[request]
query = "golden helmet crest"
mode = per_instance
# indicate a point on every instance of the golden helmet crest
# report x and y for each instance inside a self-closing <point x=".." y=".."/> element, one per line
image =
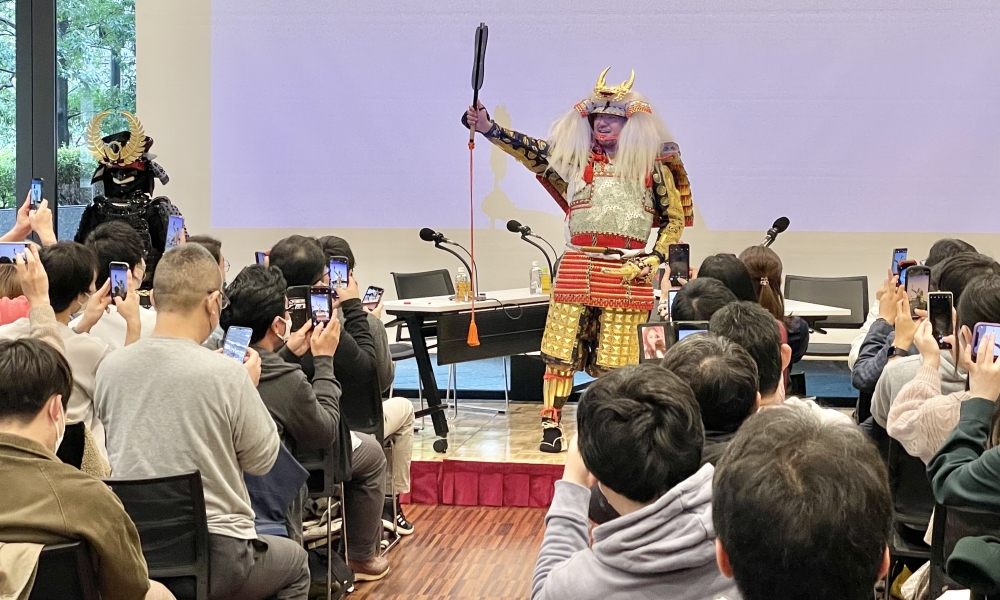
<point x="114" y="153"/>
<point x="605" y="92"/>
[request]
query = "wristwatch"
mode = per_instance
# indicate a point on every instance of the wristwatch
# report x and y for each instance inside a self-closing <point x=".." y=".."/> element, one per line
<point x="896" y="351"/>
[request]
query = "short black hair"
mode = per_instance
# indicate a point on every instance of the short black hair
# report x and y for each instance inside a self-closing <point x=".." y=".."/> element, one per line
<point x="699" y="299"/>
<point x="980" y="302"/>
<point x="71" y="268"/>
<point x="802" y="509"/>
<point x="115" y="241"/>
<point x="945" y="248"/>
<point x="956" y="273"/>
<point x="640" y="431"/>
<point x="32" y="371"/>
<point x="209" y="243"/>
<point x="337" y="246"/>
<point x="731" y="272"/>
<point x="300" y="258"/>
<point x="750" y="325"/>
<point x="256" y="297"/>
<point x="722" y="375"/>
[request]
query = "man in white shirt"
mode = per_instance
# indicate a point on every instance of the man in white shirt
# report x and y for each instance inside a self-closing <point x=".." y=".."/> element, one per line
<point x="117" y="241"/>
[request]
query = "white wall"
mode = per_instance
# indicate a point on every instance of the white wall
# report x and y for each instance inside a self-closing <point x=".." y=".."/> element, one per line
<point x="173" y="86"/>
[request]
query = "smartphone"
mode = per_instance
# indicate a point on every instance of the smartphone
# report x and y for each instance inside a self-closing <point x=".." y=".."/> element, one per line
<point x="652" y="341"/>
<point x="10" y="250"/>
<point x="898" y="255"/>
<point x="671" y="296"/>
<point x="119" y="279"/>
<point x="36" y="192"/>
<point x="918" y="282"/>
<point x="981" y="330"/>
<point x="338" y="272"/>
<point x="320" y="304"/>
<point x="372" y="297"/>
<point x="682" y="329"/>
<point x="903" y="265"/>
<point x="236" y="343"/>
<point x="260" y="257"/>
<point x="939" y="311"/>
<point x="679" y="259"/>
<point x="298" y="305"/>
<point x="175" y="232"/>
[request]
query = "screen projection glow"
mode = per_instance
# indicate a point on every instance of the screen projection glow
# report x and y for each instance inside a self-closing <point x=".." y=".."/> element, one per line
<point x="844" y="115"/>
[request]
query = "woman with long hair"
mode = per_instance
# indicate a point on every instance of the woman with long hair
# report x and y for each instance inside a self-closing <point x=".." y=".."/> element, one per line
<point x="765" y="270"/>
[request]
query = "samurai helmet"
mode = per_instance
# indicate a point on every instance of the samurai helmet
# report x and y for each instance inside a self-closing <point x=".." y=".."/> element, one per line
<point x="612" y="100"/>
<point x="113" y="151"/>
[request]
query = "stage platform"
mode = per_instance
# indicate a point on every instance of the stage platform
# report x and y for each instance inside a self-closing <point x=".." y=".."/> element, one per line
<point x="492" y="459"/>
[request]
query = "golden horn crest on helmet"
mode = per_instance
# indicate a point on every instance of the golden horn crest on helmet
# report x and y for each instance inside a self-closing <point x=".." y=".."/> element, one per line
<point x="114" y="153"/>
<point x="616" y="93"/>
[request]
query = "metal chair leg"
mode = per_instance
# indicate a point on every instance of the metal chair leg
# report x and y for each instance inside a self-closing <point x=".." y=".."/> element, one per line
<point x="329" y="545"/>
<point x="392" y="494"/>
<point x="506" y="388"/>
<point x="343" y="522"/>
<point x="452" y="375"/>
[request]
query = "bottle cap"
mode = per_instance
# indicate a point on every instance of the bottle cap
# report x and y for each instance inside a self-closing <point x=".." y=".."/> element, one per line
<point x="461" y="270"/>
<point x="534" y="263"/>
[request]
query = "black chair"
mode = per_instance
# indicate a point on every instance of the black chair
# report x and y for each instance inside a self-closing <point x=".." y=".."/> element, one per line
<point x="952" y="523"/>
<point x="912" y="503"/>
<point x="65" y="572"/>
<point x="326" y="477"/>
<point x="844" y="292"/>
<point x="169" y="513"/>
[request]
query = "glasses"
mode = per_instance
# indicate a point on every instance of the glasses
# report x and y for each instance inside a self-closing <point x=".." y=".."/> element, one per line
<point x="225" y="298"/>
<point x="225" y="265"/>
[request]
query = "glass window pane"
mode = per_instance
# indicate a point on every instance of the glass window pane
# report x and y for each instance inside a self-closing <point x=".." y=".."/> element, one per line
<point x="95" y="55"/>
<point x="8" y="195"/>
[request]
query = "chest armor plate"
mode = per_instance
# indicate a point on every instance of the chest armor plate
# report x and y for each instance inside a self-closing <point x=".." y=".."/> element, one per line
<point x="608" y="206"/>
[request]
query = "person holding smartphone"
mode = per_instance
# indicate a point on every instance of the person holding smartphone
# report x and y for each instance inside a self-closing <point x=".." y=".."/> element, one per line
<point x="32" y="219"/>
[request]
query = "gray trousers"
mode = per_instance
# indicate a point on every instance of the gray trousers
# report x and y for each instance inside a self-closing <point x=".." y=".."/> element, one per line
<point x="364" y="499"/>
<point x="268" y="567"/>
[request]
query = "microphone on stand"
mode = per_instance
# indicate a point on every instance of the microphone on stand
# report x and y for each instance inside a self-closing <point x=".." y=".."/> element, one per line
<point x="525" y="231"/>
<point x="779" y="226"/>
<point x="429" y="235"/>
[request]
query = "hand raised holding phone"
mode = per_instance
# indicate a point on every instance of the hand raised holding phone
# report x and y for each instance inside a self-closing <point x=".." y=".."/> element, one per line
<point x="95" y="308"/>
<point x="927" y="344"/>
<point x="984" y="373"/>
<point x="298" y="342"/>
<point x="252" y="364"/>
<point x="34" y="281"/>
<point x="325" y="338"/>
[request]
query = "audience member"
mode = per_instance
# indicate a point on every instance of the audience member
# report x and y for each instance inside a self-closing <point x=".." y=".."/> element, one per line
<point x="889" y="338"/>
<point x="699" y="299"/>
<point x="765" y="270"/>
<point x="640" y="437"/>
<point x="301" y="261"/>
<point x="397" y="412"/>
<point x="731" y="272"/>
<point x="946" y="248"/>
<point x="723" y="377"/>
<point x="13" y="305"/>
<point x="72" y="270"/>
<point x="756" y="330"/>
<point x="923" y="416"/>
<point x="781" y="461"/>
<point x="306" y="412"/>
<point x="117" y="241"/>
<point x="214" y="248"/>
<point x="46" y="501"/>
<point x="10" y="285"/>
<point x="200" y="410"/>
<point x="954" y="275"/>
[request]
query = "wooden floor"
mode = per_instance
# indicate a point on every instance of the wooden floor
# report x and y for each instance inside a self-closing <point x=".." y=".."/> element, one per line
<point x="491" y="437"/>
<point x="462" y="552"/>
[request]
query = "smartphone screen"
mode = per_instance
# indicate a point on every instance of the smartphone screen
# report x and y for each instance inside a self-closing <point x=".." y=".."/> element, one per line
<point x="918" y="280"/>
<point x="679" y="258"/>
<point x="652" y="341"/>
<point x="236" y="343"/>
<point x="175" y="232"/>
<point x="899" y="254"/>
<point x="320" y="306"/>
<point x="940" y="314"/>
<point x="10" y="250"/>
<point x="671" y="295"/>
<point x="119" y="279"/>
<point x="260" y="257"/>
<point x="36" y="192"/>
<point x="372" y="297"/>
<point x="338" y="272"/>
<point x="298" y="305"/>
<point x="981" y="330"/>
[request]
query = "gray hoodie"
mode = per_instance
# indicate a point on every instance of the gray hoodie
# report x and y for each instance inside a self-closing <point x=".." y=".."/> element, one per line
<point x="665" y="550"/>
<point x="898" y="373"/>
<point x="306" y="413"/>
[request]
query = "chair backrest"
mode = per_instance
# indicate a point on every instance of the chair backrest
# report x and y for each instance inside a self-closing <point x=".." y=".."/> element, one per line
<point x="65" y="572"/>
<point x="952" y="523"/>
<point x="169" y="513"/>
<point x="912" y="497"/>
<point x="423" y="284"/>
<point x="843" y="292"/>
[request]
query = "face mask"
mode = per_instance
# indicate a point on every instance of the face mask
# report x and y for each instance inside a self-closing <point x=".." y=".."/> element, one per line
<point x="288" y="329"/>
<point x="60" y="434"/>
<point x="82" y="306"/>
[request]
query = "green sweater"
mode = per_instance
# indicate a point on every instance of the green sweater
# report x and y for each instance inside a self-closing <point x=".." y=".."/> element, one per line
<point x="962" y="473"/>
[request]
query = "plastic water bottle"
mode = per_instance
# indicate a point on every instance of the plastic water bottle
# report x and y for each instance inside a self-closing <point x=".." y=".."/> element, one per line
<point x="462" y="291"/>
<point x="535" y="278"/>
<point x="546" y="281"/>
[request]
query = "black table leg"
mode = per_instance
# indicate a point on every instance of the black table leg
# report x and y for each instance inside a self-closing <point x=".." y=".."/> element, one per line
<point x="414" y="324"/>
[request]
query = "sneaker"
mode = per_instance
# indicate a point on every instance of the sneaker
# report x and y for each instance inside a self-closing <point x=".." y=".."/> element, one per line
<point x="552" y="437"/>
<point x="373" y="569"/>
<point x="403" y="527"/>
<point x="388" y="537"/>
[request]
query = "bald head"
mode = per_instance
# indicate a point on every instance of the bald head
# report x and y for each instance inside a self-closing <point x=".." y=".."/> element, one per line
<point x="184" y="276"/>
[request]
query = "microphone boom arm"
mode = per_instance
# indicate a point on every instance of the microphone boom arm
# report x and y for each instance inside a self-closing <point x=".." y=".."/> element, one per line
<point x="524" y="236"/>
<point x="473" y="273"/>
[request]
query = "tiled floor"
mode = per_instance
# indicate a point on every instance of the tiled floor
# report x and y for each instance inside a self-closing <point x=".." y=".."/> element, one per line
<point x="490" y="437"/>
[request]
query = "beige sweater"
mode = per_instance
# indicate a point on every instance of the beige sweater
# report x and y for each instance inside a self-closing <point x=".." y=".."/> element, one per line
<point x="922" y="418"/>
